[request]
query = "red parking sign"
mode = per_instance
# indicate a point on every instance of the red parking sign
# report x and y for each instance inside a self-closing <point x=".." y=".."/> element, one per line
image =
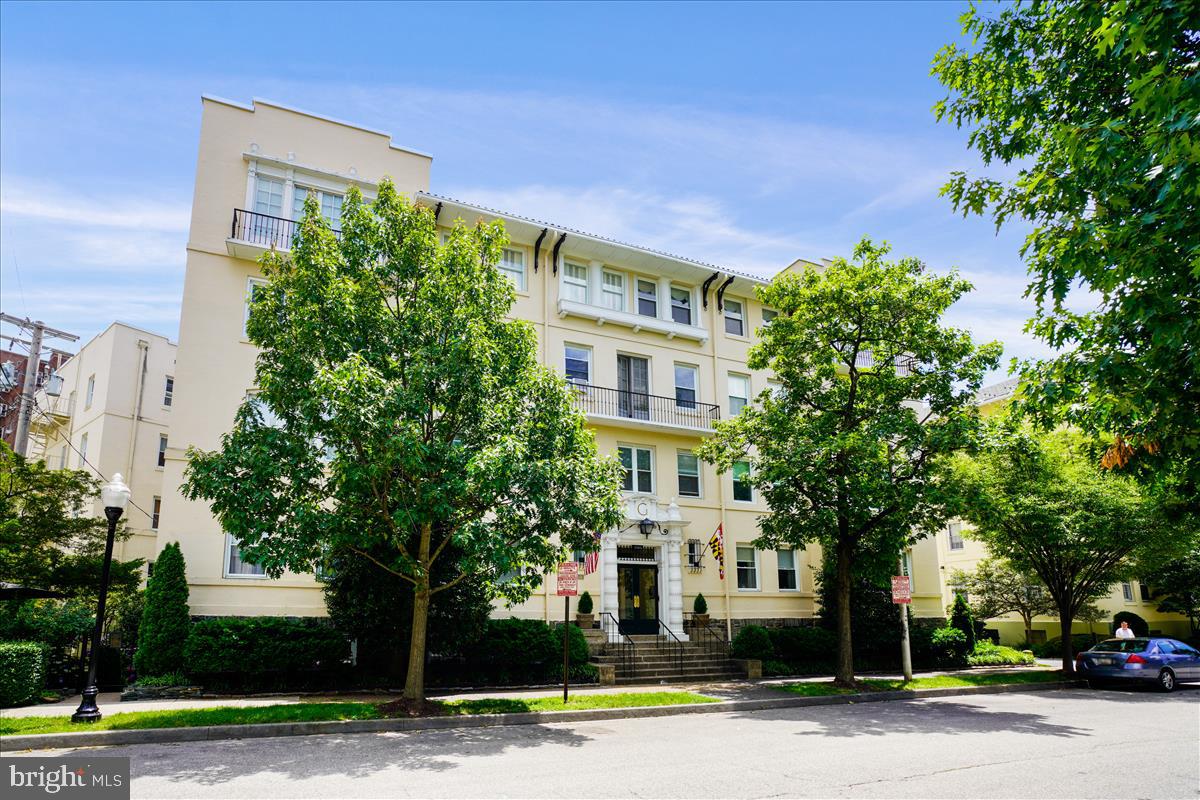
<point x="901" y="589"/>
<point x="568" y="579"/>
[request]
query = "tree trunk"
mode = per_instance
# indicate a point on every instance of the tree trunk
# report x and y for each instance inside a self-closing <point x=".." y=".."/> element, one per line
<point x="844" y="674"/>
<point x="1028" y="620"/>
<point x="414" y="683"/>
<point x="1065" y="618"/>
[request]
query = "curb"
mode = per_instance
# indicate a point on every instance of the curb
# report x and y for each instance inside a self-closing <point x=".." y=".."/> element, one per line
<point x="44" y="741"/>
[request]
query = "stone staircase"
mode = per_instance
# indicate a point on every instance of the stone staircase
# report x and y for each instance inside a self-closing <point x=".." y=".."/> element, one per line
<point x="649" y="660"/>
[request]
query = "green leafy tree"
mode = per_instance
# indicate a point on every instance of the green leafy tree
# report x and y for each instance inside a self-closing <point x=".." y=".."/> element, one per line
<point x="165" y="622"/>
<point x="45" y="542"/>
<point x="1041" y="501"/>
<point x="1176" y="587"/>
<point x="963" y="618"/>
<point x="409" y="417"/>
<point x="1093" y="108"/>
<point x="1091" y="614"/>
<point x="996" y="589"/>
<point x="874" y="391"/>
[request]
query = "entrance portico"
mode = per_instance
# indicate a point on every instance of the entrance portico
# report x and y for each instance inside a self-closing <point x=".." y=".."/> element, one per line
<point x="641" y="575"/>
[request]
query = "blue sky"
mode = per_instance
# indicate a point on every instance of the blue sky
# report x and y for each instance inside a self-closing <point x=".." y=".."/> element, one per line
<point x="746" y="135"/>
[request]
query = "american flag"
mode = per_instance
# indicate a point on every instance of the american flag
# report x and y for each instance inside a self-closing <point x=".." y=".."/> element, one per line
<point x="591" y="561"/>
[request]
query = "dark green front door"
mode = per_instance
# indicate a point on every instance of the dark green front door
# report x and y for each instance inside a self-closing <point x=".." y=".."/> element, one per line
<point x="637" y="598"/>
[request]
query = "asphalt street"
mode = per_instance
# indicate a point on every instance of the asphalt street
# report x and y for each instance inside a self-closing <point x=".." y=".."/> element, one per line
<point x="1059" y="744"/>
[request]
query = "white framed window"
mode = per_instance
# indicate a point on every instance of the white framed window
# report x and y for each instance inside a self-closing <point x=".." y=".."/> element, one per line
<point x="162" y="450"/>
<point x="329" y="202"/>
<point x="155" y="511"/>
<point x="647" y="298"/>
<point x="83" y="451"/>
<point x="168" y="391"/>
<point x="687" y="465"/>
<point x="575" y="282"/>
<point x="687" y="379"/>
<point x="769" y="315"/>
<point x="739" y="393"/>
<point x="743" y="492"/>
<point x="1127" y="591"/>
<point x="1144" y="591"/>
<point x="268" y="196"/>
<point x="235" y="567"/>
<point x="954" y="534"/>
<point x="789" y="577"/>
<point x="91" y="392"/>
<point x="253" y="287"/>
<point x="512" y="264"/>
<point x="637" y="468"/>
<point x="577" y="362"/>
<point x="906" y="566"/>
<point x="613" y="290"/>
<point x="62" y="457"/>
<point x="775" y="388"/>
<point x="735" y="318"/>
<point x="681" y="305"/>
<point x="747" y="568"/>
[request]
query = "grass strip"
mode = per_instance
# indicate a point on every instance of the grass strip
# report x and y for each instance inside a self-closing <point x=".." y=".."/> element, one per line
<point x="322" y="712"/>
<point x="822" y="688"/>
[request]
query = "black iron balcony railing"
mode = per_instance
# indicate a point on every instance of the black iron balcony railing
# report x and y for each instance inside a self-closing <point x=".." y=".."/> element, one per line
<point x="263" y="229"/>
<point x="678" y="412"/>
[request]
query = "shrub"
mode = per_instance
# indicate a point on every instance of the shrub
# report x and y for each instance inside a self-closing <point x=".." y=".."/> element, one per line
<point x="1138" y="625"/>
<point x="163" y="633"/>
<point x="949" y="646"/>
<point x="753" y="641"/>
<point x="963" y="618"/>
<point x="987" y="654"/>
<point x="804" y="650"/>
<point x="516" y="651"/>
<point x="22" y="671"/>
<point x="253" y="646"/>
<point x="576" y="644"/>
<point x="170" y="679"/>
<point x="700" y="605"/>
<point x="585" y="603"/>
<point x="774" y="667"/>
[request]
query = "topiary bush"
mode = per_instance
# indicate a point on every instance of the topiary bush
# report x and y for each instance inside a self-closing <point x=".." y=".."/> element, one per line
<point x="585" y="603"/>
<point x="1138" y="625"/>
<point x="22" y="671"/>
<point x="963" y="618"/>
<point x="753" y="641"/>
<point x="950" y="647"/>
<point x="700" y="605"/>
<point x="163" y="632"/>
<point x="247" y="650"/>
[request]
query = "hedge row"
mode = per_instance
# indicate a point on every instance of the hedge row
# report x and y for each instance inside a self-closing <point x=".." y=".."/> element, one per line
<point x="245" y="650"/>
<point x="515" y="652"/>
<point x="22" y="671"/>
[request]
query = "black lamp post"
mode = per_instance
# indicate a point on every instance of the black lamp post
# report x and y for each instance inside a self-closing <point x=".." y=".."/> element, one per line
<point x="115" y="495"/>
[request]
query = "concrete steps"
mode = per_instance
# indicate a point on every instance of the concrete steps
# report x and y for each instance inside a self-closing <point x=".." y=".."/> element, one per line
<point x="649" y="661"/>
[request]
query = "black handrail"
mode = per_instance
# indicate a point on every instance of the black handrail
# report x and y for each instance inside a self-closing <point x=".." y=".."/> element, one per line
<point x="614" y="639"/>
<point x="264" y="229"/>
<point x="708" y="636"/>
<point x="678" y="411"/>
<point x="672" y="644"/>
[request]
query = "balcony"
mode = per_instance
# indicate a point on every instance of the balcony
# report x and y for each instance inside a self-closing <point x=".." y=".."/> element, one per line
<point x="626" y="319"/>
<point x="251" y="234"/>
<point x="646" y="410"/>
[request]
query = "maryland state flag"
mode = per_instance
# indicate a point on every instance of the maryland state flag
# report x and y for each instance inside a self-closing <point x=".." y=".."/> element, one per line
<point x="717" y="545"/>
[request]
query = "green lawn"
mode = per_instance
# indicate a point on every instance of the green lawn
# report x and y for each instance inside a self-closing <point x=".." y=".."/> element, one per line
<point x="316" y="712"/>
<point x="817" y="689"/>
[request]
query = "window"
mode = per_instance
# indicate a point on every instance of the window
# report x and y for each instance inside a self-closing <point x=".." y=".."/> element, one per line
<point x="637" y="468"/>
<point x="91" y="392"/>
<point x="578" y="363"/>
<point x="169" y="391"/>
<point x="775" y="388"/>
<point x="253" y="287"/>
<point x="681" y="306"/>
<point x="739" y="393"/>
<point x="906" y="568"/>
<point x="954" y="530"/>
<point x="155" y="510"/>
<point x="647" y="298"/>
<point x="747" y="567"/>
<point x="735" y="320"/>
<point x="613" y="286"/>
<point x="329" y="203"/>
<point x="788" y="580"/>
<point x="1144" y="591"/>
<point x="162" y="450"/>
<point x="575" y="282"/>
<point x="83" y="451"/>
<point x="769" y="315"/>
<point x="268" y="196"/>
<point x="688" y="467"/>
<point x="742" y="491"/>
<point x="62" y="457"/>
<point x="512" y="264"/>
<point x="235" y="566"/>
<point x="686" y="378"/>
<point x="1127" y="591"/>
<point x="695" y="554"/>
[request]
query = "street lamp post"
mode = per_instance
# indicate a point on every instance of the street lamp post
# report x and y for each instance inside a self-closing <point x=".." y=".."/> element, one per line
<point x="115" y="495"/>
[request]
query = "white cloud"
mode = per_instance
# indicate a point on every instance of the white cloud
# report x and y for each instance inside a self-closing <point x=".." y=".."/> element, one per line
<point x="51" y="203"/>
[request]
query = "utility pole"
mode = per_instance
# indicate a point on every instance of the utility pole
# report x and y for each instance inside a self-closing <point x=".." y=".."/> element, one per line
<point x="37" y="331"/>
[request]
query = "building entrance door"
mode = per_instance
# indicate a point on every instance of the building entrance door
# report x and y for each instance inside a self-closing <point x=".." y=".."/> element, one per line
<point x="637" y="598"/>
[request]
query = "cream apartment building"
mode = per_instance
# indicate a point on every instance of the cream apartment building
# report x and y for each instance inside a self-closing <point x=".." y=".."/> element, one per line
<point x="655" y="343"/>
<point x="111" y="413"/>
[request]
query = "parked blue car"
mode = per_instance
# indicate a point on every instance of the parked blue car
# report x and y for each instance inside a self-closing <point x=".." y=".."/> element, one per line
<point x="1166" y="662"/>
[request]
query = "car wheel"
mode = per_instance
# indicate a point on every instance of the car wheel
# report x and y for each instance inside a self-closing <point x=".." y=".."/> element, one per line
<point x="1166" y="681"/>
